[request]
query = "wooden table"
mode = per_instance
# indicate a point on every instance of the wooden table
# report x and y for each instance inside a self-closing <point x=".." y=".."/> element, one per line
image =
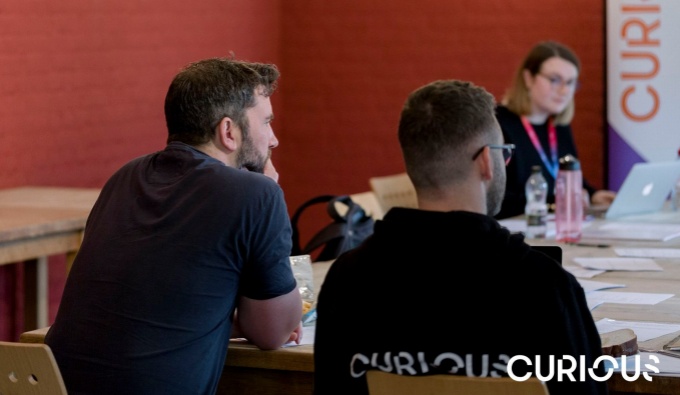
<point x="667" y="311"/>
<point x="291" y="370"/>
<point x="36" y="222"/>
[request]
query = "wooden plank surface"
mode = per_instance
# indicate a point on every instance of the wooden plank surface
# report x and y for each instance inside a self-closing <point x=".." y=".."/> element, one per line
<point x="49" y="197"/>
<point x="36" y="222"/>
<point x="31" y="248"/>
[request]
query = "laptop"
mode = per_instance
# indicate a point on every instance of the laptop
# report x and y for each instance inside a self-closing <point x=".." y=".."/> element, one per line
<point x="645" y="189"/>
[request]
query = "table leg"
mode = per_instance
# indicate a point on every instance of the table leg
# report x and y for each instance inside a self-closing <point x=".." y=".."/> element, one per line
<point x="36" y="296"/>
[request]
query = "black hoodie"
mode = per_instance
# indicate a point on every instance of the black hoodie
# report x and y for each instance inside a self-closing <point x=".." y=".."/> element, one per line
<point x="433" y="292"/>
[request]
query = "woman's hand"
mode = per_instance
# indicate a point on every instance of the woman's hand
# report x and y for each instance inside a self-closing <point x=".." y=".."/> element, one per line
<point x="603" y="198"/>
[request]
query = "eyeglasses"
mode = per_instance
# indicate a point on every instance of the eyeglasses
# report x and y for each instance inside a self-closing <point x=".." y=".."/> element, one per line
<point x="508" y="149"/>
<point x="556" y="82"/>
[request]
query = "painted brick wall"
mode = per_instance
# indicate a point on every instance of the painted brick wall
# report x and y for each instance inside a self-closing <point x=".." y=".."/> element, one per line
<point x="82" y="83"/>
<point x="350" y="65"/>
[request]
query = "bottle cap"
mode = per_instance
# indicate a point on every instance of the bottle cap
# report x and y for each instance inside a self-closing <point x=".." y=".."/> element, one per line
<point x="569" y="162"/>
<point x="536" y="168"/>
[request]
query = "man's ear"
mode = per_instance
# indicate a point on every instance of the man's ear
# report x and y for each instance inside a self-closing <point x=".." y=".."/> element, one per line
<point x="228" y="134"/>
<point x="485" y="164"/>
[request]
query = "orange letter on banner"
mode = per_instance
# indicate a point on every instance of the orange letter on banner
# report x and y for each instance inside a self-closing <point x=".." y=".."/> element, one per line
<point x="639" y="118"/>
<point x="641" y="75"/>
<point x="655" y="8"/>
<point x="644" y="28"/>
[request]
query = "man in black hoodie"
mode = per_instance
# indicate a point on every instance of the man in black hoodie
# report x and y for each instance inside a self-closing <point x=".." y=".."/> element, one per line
<point x="444" y="288"/>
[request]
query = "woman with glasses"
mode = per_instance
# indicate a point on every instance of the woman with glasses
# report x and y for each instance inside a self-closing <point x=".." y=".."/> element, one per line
<point x="535" y="116"/>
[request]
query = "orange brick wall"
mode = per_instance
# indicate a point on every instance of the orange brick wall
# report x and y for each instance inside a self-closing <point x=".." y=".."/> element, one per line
<point x="350" y="65"/>
<point x="82" y="83"/>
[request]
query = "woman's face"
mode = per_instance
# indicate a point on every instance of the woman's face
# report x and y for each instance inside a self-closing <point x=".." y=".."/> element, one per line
<point x="553" y="87"/>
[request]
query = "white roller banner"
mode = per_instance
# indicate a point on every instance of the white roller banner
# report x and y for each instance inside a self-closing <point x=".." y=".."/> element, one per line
<point x="643" y="83"/>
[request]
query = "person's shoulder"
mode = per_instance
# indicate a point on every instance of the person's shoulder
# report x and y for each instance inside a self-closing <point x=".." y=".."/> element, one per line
<point x="241" y="187"/>
<point x="360" y="259"/>
<point x="250" y="184"/>
<point x="502" y="110"/>
<point x="259" y="183"/>
<point x="255" y="179"/>
<point x="350" y="259"/>
<point x="564" y="131"/>
<point x="510" y="123"/>
<point x="241" y="178"/>
<point x="503" y="113"/>
<point x="549" y="270"/>
<point x="131" y="166"/>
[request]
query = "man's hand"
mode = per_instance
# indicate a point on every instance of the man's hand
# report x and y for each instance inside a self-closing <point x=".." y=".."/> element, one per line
<point x="270" y="170"/>
<point x="296" y="336"/>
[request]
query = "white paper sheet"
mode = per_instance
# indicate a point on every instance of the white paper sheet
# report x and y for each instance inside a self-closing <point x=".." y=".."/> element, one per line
<point x="617" y="263"/>
<point x="592" y="304"/>
<point x="581" y="272"/>
<point x="626" y="297"/>
<point x="644" y="330"/>
<point x="649" y="252"/>
<point x="307" y="337"/>
<point x="589" y="285"/>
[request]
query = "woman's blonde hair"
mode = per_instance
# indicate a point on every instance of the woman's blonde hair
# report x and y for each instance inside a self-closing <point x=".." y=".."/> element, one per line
<point x="517" y="99"/>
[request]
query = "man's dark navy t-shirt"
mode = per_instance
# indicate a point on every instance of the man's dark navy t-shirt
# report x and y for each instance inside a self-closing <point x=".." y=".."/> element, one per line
<point x="174" y="238"/>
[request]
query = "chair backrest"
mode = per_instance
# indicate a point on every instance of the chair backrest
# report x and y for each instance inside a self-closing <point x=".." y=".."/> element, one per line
<point x="29" y="369"/>
<point x="369" y="202"/>
<point x="382" y="383"/>
<point x="394" y="191"/>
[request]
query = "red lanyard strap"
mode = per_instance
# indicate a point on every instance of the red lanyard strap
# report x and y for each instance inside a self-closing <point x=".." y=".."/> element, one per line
<point x="552" y="141"/>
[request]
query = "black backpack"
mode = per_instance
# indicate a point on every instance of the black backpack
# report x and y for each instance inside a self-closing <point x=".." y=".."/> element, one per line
<point x="343" y="233"/>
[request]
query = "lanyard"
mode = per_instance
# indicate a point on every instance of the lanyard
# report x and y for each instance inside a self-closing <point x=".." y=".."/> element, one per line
<point x="552" y="141"/>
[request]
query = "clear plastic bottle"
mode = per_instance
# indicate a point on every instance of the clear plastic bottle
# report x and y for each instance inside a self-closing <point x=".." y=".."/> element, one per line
<point x="536" y="209"/>
<point x="568" y="200"/>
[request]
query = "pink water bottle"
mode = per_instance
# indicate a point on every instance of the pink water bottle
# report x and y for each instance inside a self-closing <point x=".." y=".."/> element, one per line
<point x="568" y="200"/>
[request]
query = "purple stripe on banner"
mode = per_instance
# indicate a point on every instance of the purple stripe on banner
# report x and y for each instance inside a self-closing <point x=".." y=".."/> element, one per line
<point x="621" y="158"/>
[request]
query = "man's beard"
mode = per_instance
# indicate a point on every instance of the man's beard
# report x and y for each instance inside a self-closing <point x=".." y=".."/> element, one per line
<point x="248" y="157"/>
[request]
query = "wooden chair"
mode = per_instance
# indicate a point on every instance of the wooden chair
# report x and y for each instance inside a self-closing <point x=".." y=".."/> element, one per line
<point x="29" y="369"/>
<point x="369" y="202"/>
<point x="382" y="383"/>
<point x="394" y="191"/>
